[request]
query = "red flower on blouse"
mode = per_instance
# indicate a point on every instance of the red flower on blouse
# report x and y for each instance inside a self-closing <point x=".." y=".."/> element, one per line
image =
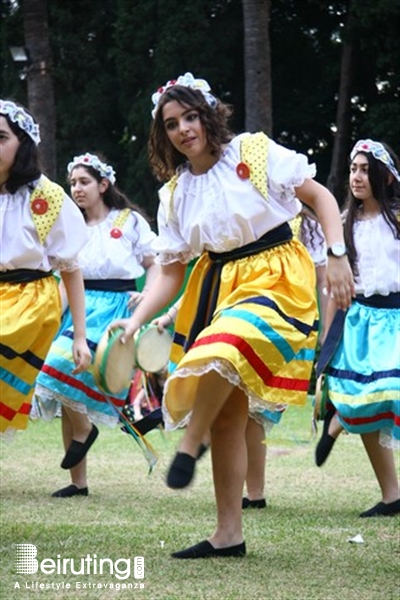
<point x="40" y="206"/>
<point x="243" y="170"/>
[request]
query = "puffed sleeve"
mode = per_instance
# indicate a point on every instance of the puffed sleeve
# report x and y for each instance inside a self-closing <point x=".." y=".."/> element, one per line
<point x="144" y="237"/>
<point x="287" y="170"/>
<point x="170" y="245"/>
<point x="67" y="237"/>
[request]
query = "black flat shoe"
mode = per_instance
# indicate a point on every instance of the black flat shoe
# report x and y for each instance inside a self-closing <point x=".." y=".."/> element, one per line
<point x="69" y="491"/>
<point x="78" y="450"/>
<point x="206" y="550"/>
<point x="149" y="422"/>
<point x="382" y="510"/>
<point x="246" y="503"/>
<point x="181" y="471"/>
<point x="326" y="442"/>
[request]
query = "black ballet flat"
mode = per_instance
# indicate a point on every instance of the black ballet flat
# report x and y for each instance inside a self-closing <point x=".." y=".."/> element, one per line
<point x="246" y="503"/>
<point x="382" y="510"/>
<point x="206" y="550"/>
<point x="181" y="471"/>
<point x="78" y="450"/>
<point x="70" y="491"/>
<point x="326" y="442"/>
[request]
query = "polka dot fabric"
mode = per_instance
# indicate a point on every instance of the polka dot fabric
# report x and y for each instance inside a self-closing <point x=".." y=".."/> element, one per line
<point x="254" y="153"/>
<point x="46" y="201"/>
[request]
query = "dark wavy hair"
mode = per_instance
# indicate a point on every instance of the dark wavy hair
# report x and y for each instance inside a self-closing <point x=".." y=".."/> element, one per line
<point x="113" y="197"/>
<point x="26" y="167"/>
<point x="386" y="191"/>
<point x="163" y="157"/>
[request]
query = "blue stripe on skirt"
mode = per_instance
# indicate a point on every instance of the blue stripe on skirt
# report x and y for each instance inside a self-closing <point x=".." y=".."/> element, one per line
<point x="102" y="307"/>
<point x="364" y="372"/>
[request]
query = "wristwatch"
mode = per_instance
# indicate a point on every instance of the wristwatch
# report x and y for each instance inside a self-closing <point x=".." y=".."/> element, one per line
<point x="337" y="250"/>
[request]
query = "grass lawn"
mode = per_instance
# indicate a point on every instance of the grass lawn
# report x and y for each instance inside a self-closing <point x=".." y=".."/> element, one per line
<point x="298" y="547"/>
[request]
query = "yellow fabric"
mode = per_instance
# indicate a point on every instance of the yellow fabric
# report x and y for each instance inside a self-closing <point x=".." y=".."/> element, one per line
<point x="53" y="194"/>
<point x="254" y="153"/>
<point x="29" y="320"/>
<point x="123" y="215"/>
<point x="255" y="328"/>
<point x="295" y="225"/>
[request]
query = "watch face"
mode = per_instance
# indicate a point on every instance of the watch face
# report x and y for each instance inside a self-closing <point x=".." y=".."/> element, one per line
<point x="338" y="250"/>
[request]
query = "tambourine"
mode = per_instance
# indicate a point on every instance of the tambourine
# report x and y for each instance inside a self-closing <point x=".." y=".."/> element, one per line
<point x="114" y="362"/>
<point x="321" y="394"/>
<point x="152" y="348"/>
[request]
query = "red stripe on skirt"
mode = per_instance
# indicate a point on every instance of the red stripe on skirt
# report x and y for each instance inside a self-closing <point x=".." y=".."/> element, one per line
<point x="255" y="362"/>
<point x="8" y="413"/>
<point x="375" y="419"/>
<point x="75" y="383"/>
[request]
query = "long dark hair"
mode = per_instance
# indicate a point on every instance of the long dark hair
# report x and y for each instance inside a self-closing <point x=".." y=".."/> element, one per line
<point x="113" y="197"/>
<point x="386" y="191"/>
<point x="164" y="158"/>
<point x="26" y="167"/>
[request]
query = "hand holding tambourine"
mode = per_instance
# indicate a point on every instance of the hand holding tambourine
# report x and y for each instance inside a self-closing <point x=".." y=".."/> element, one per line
<point x="117" y="356"/>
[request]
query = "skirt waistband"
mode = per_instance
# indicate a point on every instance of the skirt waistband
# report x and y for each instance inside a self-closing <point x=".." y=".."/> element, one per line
<point x="210" y="286"/>
<point x="275" y="237"/>
<point x="110" y="285"/>
<point x="378" y="301"/>
<point x="23" y="275"/>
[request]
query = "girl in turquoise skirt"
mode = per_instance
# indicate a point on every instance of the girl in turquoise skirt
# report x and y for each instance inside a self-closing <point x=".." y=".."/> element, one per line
<point x="363" y="374"/>
<point x="117" y="253"/>
<point x="247" y="327"/>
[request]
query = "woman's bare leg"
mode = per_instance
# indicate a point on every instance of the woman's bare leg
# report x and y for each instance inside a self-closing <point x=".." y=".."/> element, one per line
<point x="383" y="464"/>
<point x="213" y="391"/>
<point x="256" y="457"/>
<point x="229" y="461"/>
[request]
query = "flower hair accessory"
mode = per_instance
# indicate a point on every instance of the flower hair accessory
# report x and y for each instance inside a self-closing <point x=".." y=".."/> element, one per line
<point x="91" y="160"/>
<point x="378" y="151"/>
<point x="187" y="80"/>
<point x="20" y="117"/>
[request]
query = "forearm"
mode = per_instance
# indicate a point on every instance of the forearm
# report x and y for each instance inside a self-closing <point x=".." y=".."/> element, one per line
<point x="73" y="282"/>
<point x="164" y="287"/>
<point x="320" y="199"/>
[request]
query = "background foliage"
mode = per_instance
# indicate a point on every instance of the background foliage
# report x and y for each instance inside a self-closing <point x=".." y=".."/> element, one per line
<point x="110" y="55"/>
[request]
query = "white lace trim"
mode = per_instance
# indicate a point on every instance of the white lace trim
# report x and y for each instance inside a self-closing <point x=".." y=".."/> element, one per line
<point x="49" y="403"/>
<point x="387" y="440"/>
<point x="225" y="369"/>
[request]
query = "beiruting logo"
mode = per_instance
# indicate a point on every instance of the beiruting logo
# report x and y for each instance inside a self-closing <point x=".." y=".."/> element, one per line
<point x="27" y="563"/>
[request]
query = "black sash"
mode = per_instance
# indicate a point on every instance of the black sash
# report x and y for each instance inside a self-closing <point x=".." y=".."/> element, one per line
<point x="23" y="275"/>
<point x="208" y="296"/>
<point x="110" y="285"/>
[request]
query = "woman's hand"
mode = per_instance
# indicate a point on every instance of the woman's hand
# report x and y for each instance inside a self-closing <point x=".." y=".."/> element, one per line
<point x="130" y="326"/>
<point x="135" y="299"/>
<point x="340" y="282"/>
<point x="81" y="354"/>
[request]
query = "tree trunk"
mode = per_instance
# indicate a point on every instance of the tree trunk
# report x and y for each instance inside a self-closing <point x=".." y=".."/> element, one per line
<point x="40" y="80"/>
<point x="337" y="178"/>
<point x="257" y="66"/>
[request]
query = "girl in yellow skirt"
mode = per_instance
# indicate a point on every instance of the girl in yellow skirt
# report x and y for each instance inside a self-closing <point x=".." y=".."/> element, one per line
<point x="247" y="326"/>
<point x="41" y="230"/>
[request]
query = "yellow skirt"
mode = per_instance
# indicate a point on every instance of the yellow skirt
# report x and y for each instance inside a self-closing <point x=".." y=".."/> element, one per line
<point x="29" y="319"/>
<point x="261" y="337"/>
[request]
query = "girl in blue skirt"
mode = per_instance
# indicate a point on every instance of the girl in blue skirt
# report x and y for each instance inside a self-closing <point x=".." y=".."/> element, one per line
<point x="363" y="374"/>
<point x="117" y="253"/>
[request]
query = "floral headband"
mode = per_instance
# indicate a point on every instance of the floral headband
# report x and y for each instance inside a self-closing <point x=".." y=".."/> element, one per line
<point x="187" y="80"/>
<point x="20" y="117"/>
<point x="378" y="151"/>
<point x="91" y="160"/>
